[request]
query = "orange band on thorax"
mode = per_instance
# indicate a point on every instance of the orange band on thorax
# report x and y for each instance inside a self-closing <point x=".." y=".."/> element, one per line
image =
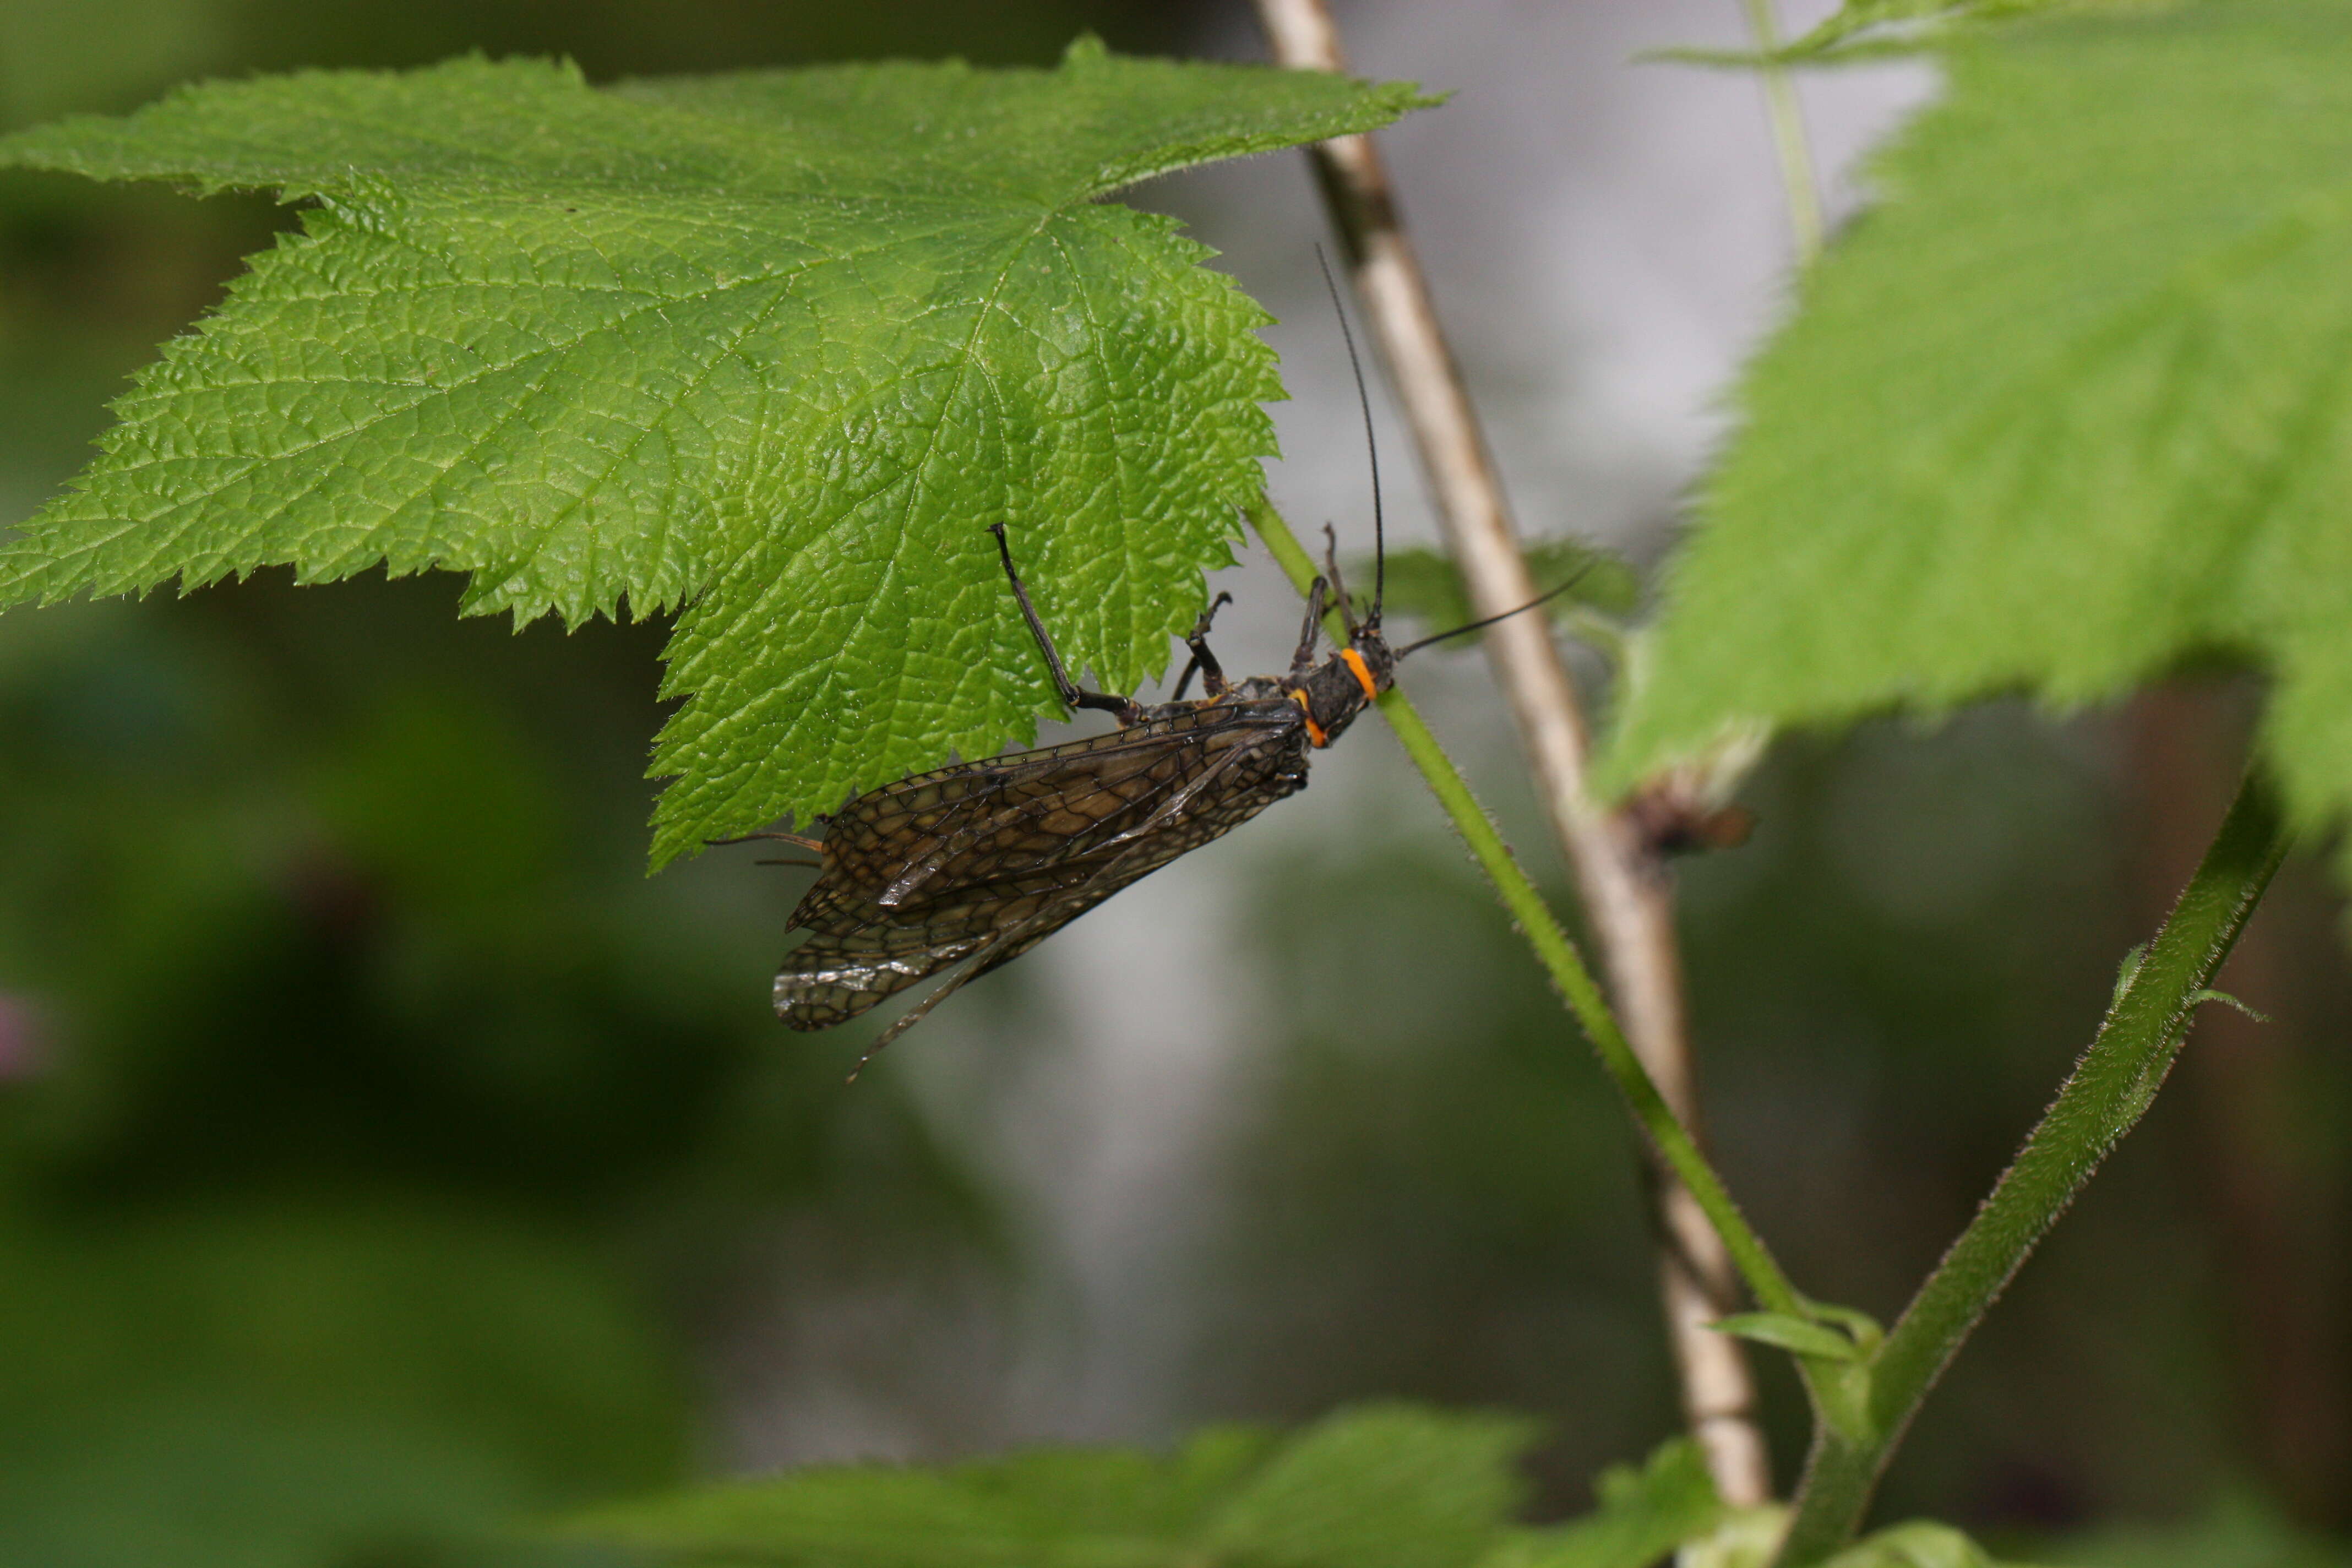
<point x="1314" y="731"/>
<point x="1355" y="662"/>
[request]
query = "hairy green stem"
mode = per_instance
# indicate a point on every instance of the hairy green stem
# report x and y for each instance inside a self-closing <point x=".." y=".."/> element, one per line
<point x="2109" y="1088"/>
<point x="1558" y="956"/>
<point x="1803" y="191"/>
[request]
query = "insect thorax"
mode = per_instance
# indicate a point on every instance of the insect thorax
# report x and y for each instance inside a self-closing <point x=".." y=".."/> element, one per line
<point x="1343" y="685"/>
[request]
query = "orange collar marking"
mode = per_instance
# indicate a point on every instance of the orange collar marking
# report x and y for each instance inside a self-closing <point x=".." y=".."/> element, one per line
<point x="1314" y="731"/>
<point x="1363" y="673"/>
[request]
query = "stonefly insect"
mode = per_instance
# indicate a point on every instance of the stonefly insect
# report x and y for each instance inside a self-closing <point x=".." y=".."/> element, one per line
<point x="969" y="866"/>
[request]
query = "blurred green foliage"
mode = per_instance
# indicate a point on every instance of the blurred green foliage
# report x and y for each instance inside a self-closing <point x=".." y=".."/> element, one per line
<point x="365" y="1093"/>
<point x="1425" y="585"/>
<point x="368" y="1121"/>
<point x="1373" y="1487"/>
<point x="1639" y="1514"/>
<point x="1888" y="981"/>
<point x="2061" y="416"/>
<point x="374" y="1138"/>
<point x="2234" y="1530"/>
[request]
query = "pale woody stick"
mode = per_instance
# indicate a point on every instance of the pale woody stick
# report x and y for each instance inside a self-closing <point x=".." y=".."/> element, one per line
<point x="1626" y="893"/>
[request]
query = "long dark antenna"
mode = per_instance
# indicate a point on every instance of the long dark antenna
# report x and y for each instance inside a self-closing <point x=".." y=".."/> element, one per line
<point x="1544" y="597"/>
<point x="1371" y="447"/>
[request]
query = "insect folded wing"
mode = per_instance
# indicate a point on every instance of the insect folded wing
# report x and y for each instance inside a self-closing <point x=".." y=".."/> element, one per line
<point x="970" y="867"/>
<point x="977" y="864"/>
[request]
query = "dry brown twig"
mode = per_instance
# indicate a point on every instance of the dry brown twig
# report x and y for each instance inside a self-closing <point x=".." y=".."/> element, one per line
<point x="1620" y="874"/>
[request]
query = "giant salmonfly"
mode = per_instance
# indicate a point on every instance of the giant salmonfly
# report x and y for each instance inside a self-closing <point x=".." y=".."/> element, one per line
<point x="969" y="866"/>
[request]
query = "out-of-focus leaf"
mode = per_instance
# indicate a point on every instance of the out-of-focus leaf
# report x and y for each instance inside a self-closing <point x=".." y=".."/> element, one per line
<point x="2237" y="1532"/>
<point x="1800" y="1335"/>
<point x="280" y="1386"/>
<point x="1426" y="585"/>
<point x="771" y="348"/>
<point x="1389" y="1486"/>
<point x="57" y="55"/>
<point x="2063" y="411"/>
<point x="1382" y="1487"/>
<point x="1743" y="1538"/>
<point x="1871" y="30"/>
<point x="1921" y="1543"/>
<point x="1048" y="1507"/>
<point x="1644" y="1514"/>
<point x="1866" y="1332"/>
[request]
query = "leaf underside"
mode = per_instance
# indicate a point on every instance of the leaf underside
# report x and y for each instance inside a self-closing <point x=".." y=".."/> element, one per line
<point x="768" y="350"/>
<point x="2068" y="408"/>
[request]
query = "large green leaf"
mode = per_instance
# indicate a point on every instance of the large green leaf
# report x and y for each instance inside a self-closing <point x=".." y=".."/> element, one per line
<point x="2067" y="408"/>
<point x="771" y="348"/>
<point x="1381" y="1487"/>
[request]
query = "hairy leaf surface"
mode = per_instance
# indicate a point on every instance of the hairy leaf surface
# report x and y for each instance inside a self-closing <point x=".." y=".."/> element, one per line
<point x="768" y="350"/>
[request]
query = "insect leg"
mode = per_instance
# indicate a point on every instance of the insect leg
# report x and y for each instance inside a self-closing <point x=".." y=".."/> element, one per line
<point x="798" y="839"/>
<point x="1304" y="659"/>
<point x="1338" y="584"/>
<point x="1072" y="694"/>
<point x="1213" y="675"/>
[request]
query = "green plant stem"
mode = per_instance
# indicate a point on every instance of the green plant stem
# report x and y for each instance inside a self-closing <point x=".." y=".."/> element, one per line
<point x="1558" y="956"/>
<point x="1788" y="134"/>
<point x="2109" y="1088"/>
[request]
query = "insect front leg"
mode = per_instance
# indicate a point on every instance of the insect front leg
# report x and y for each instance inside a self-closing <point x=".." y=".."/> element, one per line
<point x="1338" y="584"/>
<point x="1212" y="674"/>
<point x="1072" y="695"/>
<point x="1302" y="661"/>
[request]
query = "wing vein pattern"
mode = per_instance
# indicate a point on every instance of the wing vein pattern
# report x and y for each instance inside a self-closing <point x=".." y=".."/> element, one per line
<point x="973" y="865"/>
